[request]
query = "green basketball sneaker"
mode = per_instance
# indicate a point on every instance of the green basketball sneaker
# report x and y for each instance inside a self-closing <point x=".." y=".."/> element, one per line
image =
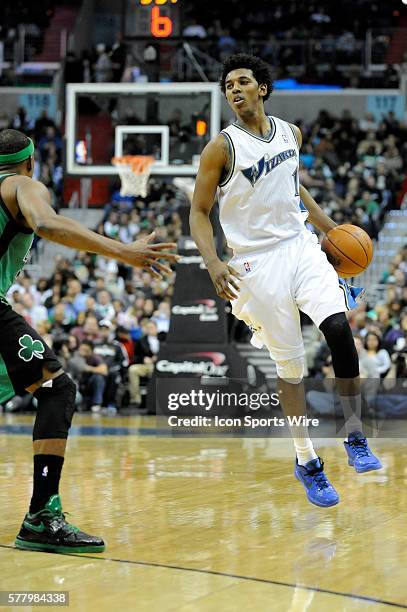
<point x="47" y="530"/>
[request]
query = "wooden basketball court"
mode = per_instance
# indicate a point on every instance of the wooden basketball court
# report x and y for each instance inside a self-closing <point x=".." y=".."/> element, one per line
<point x="209" y="524"/>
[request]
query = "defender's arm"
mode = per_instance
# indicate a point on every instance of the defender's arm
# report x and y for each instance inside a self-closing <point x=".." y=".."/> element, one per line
<point x="34" y="201"/>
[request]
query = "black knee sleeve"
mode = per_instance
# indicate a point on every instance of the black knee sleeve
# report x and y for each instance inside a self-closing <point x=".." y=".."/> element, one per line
<point x="56" y="406"/>
<point x="338" y="335"/>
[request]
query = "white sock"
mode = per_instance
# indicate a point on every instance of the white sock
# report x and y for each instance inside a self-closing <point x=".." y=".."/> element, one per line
<point x="352" y="411"/>
<point x="304" y="449"/>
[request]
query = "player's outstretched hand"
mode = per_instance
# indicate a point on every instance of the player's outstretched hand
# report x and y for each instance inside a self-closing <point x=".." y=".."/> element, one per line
<point x="142" y="254"/>
<point x="224" y="279"/>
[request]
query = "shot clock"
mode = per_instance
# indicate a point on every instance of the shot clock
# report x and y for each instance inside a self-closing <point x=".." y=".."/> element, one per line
<point x="152" y="19"/>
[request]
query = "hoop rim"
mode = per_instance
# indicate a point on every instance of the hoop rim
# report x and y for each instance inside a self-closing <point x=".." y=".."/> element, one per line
<point x="138" y="164"/>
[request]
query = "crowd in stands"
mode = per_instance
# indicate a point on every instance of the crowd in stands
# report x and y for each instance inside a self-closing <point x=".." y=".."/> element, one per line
<point x="313" y="42"/>
<point x="380" y="333"/>
<point x="324" y="61"/>
<point x="355" y="169"/>
<point x="102" y="64"/>
<point x="48" y="152"/>
<point x="287" y="18"/>
<point x="35" y="16"/>
<point x="381" y="330"/>
<point x="310" y="41"/>
<point x="23" y="29"/>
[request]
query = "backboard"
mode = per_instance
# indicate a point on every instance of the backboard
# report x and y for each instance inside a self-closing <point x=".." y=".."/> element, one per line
<point x="171" y="121"/>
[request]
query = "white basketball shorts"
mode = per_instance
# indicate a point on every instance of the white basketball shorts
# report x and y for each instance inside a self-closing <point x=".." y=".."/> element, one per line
<point x="280" y="282"/>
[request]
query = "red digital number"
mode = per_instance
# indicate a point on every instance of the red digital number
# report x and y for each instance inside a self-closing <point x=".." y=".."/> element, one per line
<point x="161" y="26"/>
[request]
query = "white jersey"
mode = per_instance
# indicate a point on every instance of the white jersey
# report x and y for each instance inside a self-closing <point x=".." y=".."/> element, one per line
<point x="259" y="200"/>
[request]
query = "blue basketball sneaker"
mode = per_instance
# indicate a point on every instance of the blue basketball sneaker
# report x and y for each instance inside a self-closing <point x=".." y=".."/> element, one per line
<point x="359" y="453"/>
<point x="317" y="486"/>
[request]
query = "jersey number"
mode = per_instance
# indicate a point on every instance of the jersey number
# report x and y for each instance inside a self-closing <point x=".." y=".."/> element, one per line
<point x="296" y="182"/>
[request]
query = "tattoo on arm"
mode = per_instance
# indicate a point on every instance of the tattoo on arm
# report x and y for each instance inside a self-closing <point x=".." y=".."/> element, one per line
<point x="228" y="158"/>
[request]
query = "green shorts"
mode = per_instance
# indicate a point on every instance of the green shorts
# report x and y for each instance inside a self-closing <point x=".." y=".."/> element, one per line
<point x="23" y="354"/>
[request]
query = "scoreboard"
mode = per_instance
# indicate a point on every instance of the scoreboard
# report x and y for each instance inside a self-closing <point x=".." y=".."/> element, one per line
<point x="152" y="19"/>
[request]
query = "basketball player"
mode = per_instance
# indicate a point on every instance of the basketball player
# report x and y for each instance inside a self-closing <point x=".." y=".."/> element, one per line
<point x="26" y="362"/>
<point x="278" y="267"/>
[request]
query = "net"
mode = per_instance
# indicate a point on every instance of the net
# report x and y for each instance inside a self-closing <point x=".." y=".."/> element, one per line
<point x="134" y="172"/>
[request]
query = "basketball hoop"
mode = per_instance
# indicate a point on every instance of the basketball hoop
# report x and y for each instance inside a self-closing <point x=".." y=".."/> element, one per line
<point x="134" y="172"/>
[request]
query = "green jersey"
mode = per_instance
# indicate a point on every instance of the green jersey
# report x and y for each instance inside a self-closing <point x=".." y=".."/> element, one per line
<point x="15" y="244"/>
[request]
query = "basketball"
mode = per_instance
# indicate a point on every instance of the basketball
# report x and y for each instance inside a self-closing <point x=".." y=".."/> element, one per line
<point x="348" y="248"/>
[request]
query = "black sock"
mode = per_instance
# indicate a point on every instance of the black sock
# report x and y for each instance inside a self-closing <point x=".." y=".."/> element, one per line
<point x="47" y="472"/>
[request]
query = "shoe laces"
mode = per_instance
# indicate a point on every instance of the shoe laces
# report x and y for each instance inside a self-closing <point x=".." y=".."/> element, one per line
<point x="321" y="480"/>
<point x="359" y="445"/>
<point x="58" y="519"/>
<point x="319" y="476"/>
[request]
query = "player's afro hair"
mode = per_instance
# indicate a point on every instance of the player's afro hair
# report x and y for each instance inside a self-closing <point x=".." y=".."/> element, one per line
<point x="260" y="69"/>
<point x="12" y="141"/>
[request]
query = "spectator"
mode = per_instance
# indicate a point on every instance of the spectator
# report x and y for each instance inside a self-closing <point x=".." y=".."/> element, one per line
<point x="194" y="30"/>
<point x="75" y="296"/>
<point x="111" y="227"/>
<point x="369" y="143"/>
<point x="62" y="321"/>
<point x="161" y="318"/>
<point x="368" y="123"/>
<point x="369" y="204"/>
<point x="145" y="356"/>
<point x="89" y="330"/>
<point x="346" y="44"/>
<point x="326" y="402"/>
<point x="124" y="317"/>
<point x="320" y="16"/>
<point x="115" y="359"/>
<point x="175" y="121"/>
<point x="104" y="307"/>
<point x="42" y="123"/>
<point x="118" y="58"/>
<point x="103" y="67"/>
<point x="21" y="121"/>
<point x="226" y="44"/>
<point x="126" y="342"/>
<point x="373" y="346"/>
<point x="33" y="313"/>
<point x="50" y="144"/>
<point x="73" y="72"/>
<point x="92" y="376"/>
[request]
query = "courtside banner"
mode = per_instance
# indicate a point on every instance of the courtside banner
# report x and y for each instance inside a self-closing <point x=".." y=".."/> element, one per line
<point x="187" y="365"/>
<point x="197" y="313"/>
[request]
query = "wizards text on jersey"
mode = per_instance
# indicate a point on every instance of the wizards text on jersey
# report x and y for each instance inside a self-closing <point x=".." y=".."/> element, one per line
<point x="266" y="164"/>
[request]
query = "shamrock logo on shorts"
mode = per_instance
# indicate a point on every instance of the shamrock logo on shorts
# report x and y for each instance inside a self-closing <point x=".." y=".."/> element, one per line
<point x="30" y="348"/>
